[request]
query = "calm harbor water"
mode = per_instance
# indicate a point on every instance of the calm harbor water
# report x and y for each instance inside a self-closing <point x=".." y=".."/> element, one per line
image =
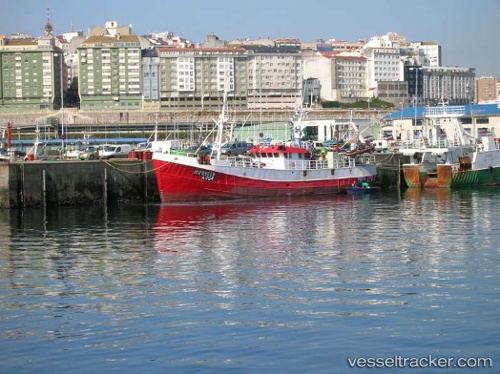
<point x="272" y="286"/>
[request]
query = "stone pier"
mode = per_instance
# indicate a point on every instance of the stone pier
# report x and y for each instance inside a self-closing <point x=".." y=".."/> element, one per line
<point x="54" y="183"/>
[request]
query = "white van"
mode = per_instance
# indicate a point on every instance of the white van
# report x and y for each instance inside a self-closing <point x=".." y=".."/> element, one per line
<point x="108" y="151"/>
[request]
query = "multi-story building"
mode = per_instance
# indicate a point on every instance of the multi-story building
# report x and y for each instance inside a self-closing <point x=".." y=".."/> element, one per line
<point x="342" y="75"/>
<point x="394" y="92"/>
<point x="267" y="77"/>
<point x="150" y="79"/>
<point x="351" y="77"/>
<point x="116" y="70"/>
<point x="414" y="75"/>
<point x="321" y="67"/>
<point x="383" y="64"/>
<point x="487" y="89"/>
<point x="384" y="69"/>
<point x="425" y="53"/>
<point x="439" y="85"/>
<point x="197" y="77"/>
<point x="32" y="73"/>
<point x="275" y="77"/>
<point x="333" y="45"/>
<point x="359" y="75"/>
<point x="110" y="73"/>
<point x="287" y="42"/>
<point x="448" y="85"/>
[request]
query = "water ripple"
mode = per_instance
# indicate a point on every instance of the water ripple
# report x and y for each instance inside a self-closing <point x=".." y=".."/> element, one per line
<point x="271" y="286"/>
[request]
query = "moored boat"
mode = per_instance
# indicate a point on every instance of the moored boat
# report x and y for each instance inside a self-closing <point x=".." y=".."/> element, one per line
<point x="448" y="157"/>
<point x="272" y="170"/>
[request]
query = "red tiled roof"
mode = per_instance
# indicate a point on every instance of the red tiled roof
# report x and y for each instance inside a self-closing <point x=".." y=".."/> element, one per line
<point x="329" y="54"/>
<point x="338" y="56"/>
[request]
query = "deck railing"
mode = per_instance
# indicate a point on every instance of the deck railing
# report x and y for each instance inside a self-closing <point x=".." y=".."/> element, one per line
<point x="245" y="162"/>
<point x="445" y="111"/>
<point x="424" y="143"/>
<point x="306" y="164"/>
<point x="342" y="162"/>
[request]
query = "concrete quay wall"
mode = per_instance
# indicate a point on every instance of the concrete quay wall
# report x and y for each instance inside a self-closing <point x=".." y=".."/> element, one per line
<point x="390" y="170"/>
<point x="53" y="183"/>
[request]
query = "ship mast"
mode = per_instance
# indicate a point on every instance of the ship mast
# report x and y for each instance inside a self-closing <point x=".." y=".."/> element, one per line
<point x="297" y="130"/>
<point x="220" y="123"/>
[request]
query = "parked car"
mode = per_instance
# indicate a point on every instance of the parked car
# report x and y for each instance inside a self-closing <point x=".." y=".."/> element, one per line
<point x="89" y="153"/>
<point x="234" y="148"/>
<point x="114" y="151"/>
<point x="197" y="149"/>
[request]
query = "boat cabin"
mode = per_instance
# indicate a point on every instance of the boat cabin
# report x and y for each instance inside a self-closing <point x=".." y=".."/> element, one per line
<point x="280" y="156"/>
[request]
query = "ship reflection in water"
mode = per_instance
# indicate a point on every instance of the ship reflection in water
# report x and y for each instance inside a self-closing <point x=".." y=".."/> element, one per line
<point x="239" y="224"/>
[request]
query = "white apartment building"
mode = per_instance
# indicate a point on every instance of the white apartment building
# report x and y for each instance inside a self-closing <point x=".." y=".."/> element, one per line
<point x="383" y="64"/>
<point x="379" y="70"/>
<point x="425" y="53"/>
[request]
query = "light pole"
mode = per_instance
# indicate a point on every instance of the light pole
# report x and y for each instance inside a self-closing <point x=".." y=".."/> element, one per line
<point x="61" y="79"/>
<point x="260" y="90"/>
<point x="260" y="93"/>
<point x="415" y="101"/>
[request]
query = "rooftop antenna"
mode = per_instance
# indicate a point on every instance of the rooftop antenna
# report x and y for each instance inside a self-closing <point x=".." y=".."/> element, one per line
<point x="48" y="25"/>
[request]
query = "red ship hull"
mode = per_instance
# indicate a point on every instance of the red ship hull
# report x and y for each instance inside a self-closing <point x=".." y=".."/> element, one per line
<point x="180" y="182"/>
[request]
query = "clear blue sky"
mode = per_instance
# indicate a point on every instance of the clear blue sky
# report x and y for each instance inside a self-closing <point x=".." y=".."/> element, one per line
<point x="468" y="31"/>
